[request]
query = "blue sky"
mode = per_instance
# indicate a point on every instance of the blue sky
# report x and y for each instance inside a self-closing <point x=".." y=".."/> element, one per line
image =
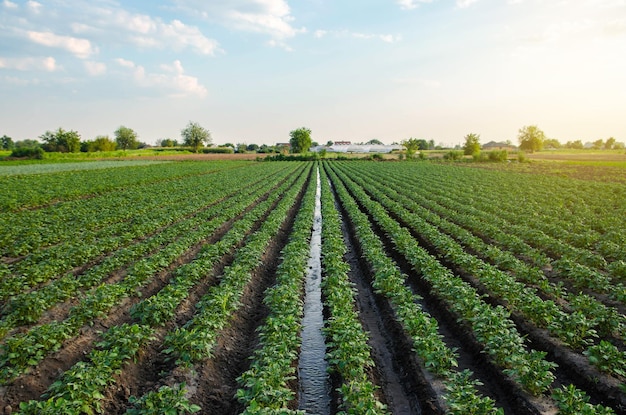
<point x="250" y="71"/>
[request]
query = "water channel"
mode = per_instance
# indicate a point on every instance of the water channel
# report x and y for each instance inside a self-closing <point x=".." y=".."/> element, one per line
<point x="314" y="394"/>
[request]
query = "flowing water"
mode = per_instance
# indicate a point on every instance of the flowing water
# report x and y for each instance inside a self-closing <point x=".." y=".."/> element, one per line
<point x="314" y="396"/>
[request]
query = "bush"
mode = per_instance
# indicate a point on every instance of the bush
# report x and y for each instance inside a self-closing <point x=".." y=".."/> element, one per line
<point x="453" y="155"/>
<point x="498" y="155"/>
<point x="218" y="150"/>
<point x="493" y="156"/>
<point x="28" y="152"/>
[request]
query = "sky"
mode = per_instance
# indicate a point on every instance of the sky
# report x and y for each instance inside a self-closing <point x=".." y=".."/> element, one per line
<point x="251" y="71"/>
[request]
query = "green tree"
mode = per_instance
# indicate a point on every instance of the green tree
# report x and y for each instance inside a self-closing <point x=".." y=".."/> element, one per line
<point x="375" y="141"/>
<point x="252" y="147"/>
<point x="300" y="140"/>
<point x="28" y="143"/>
<point x="551" y="143"/>
<point x="61" y="141"/>
<point x="598" y="144"/>
<point x="101" y="143"/>
<point x="329" y="143"/>
<point x="195" y="136"/>
<point x="168" y="142"/>
<point x="531" y="138"/>
<point x="411" y="145"/>
<point x="6" y="142"/>
<point x="472" y="144"/>
<point x="610" y="142"/>
<point x="126" y="138"/>
<point x="578" y="144"/>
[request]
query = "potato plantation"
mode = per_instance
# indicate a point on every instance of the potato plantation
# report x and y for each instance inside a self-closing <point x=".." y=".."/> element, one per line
<point x="179" y="287"/>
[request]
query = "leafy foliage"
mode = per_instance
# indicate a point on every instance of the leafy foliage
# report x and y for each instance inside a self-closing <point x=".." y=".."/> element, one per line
<point x="195" y="136"/>
<point x="300" y="140"/>
<point x="531" y="138"/>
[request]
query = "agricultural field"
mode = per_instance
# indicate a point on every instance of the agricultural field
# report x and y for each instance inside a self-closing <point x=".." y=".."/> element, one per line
<point x="359" y="287"/>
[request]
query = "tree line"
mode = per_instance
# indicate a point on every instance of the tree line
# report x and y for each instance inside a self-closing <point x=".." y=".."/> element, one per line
<point x="60" y="140"/>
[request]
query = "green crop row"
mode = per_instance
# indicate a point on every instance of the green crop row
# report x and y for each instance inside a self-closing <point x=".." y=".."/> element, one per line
<point x="80" y="389"/>
<point x="29" y="306"/>
<point x="348" y="354"/>
<point x="25" y="350"/>
<point x="34" y="190"/>
<point x="575" y="328"/>
<point x="85" y="230"/>
<point x="492" y="326"/>
<point x="462" y="394"/>
<point x="160" y="308"/>
<point x="264" y="386"/>
<point x="195" y="340"/>
<point x="493" y="329"/>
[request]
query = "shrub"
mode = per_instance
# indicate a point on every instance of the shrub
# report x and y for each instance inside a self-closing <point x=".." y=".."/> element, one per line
<point x="218" y="150"/>
<point x="498" y="155"/>
<point x="28" y="152"/>
<point x="453" y="155"/>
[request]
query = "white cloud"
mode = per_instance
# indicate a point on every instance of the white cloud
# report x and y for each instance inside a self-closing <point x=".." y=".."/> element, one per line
<point x="95" y="68"/>
<point x="9" y="4"/>
<point x="34" y="6"/>
<point x="270" y="17"/>
<point x="145" y="31"/>
<point x="174" y="79"/>
<point x="411" y="4"/>
<point x="80" y="47"/>
<point x="29" y="63"/>
<point x="462" y="4"/>
<point x="387" y="38"/>
<point x="125" y="63"/>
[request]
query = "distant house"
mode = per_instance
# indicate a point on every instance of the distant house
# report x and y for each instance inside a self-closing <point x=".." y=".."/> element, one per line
<point x="498" y="145"/>
<point x="343" y="143"/>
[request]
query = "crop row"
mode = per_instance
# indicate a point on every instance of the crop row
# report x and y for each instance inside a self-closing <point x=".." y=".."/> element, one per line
<point x="195" y="340"/>
<point x="428" y="344"/>
<point x="349" y="354"/>
<point x="503" y="219"/>
<point x="27" y="307"/>
<point x="29" y="191"/>
<point x="98" y="219"/>
<point x="265" y="385"/>
<point x="491" y="326"/>
<point x="23" y="350"/>
<point x="568" y="219"/>
<point x="81" y="388"/>
<point x="575" y="328"/>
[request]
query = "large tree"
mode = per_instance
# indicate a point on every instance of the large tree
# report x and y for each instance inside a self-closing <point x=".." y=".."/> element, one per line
<point x="195" y="136"/>
<point x="61" y="141"/>
<point x="531" y="138"/>
<point x="6" y="142"/>
<point x="472" y="144"/>
<point x="300" y="140"/>
<point x="126" y="138"/>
